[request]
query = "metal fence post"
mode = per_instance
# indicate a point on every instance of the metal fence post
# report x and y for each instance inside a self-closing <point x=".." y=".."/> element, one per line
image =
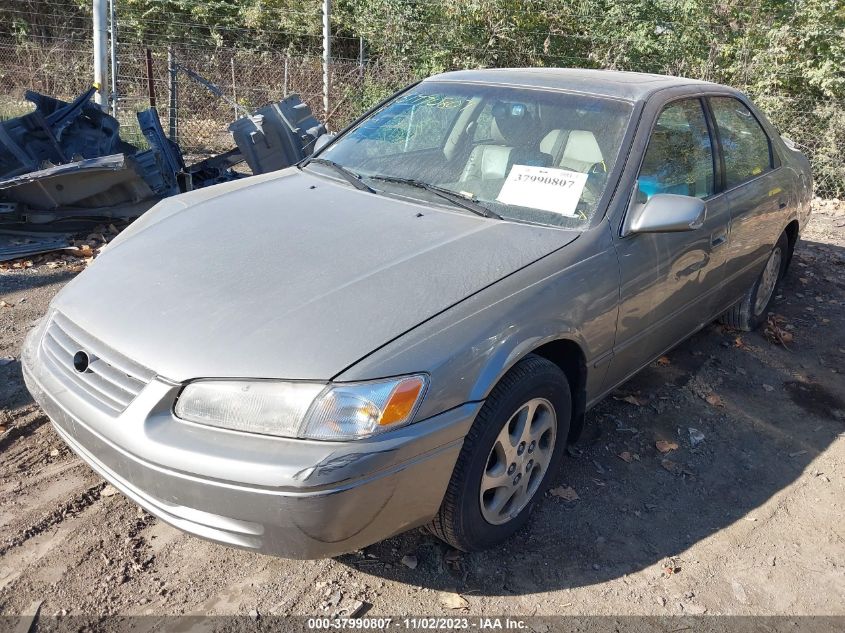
<point x="327" y="52"/>
<point x="285" y="85"/>
<point x="173" y="131"/>
<point x="151" y="89"/>
<point x="234" y="90"/>
<point x="361" y="59"/>
<point x="100" y="64"/>
<point x="113" y="51"/>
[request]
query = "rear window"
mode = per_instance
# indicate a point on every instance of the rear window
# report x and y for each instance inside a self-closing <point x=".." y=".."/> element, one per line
<point x="745" y="145"/>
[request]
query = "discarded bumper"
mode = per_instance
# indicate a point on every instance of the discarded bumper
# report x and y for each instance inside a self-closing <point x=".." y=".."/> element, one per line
<point x="286" y="497"/>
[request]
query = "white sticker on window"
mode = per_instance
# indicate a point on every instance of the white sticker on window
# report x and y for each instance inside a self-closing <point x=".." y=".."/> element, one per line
<point x="546" y="188"/>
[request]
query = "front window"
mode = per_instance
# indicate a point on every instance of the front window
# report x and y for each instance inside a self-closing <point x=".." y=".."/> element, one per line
<point x="679" y="157"/>
<point x="527" y="155"/>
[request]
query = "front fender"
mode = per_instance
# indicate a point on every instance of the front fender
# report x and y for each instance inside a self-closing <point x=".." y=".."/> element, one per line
<point x="516" y="345"/>
<point x="570" y="294"/>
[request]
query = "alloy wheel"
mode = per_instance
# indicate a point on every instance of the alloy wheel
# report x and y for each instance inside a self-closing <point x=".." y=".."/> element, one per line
<point x="768" y="281"/>
<point x="518" y="461"/>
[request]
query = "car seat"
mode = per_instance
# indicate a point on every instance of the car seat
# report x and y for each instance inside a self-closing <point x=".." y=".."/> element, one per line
<point x="514" y="133"/>
<point x="576" y="150"/>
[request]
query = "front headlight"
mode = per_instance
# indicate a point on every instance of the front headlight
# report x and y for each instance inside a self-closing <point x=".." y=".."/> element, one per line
<point x="303" y="409"/>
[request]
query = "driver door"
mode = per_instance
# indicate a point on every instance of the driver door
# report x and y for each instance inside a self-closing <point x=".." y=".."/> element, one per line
<point x="669" y="280"/>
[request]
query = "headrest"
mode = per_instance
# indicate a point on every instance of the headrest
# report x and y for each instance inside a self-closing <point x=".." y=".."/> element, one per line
<point x="582" y="146"/>
<point x="550" y="140"/>
<point x="513" y="124"/>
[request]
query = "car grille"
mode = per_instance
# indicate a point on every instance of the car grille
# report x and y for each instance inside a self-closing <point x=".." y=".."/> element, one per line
<point x="111" y="381"/>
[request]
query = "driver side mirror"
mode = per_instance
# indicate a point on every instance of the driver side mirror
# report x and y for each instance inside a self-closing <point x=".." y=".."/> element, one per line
<point x="665" y="213"/>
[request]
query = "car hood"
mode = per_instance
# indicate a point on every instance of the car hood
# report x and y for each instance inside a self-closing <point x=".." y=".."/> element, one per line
<point x="294" y="276"/>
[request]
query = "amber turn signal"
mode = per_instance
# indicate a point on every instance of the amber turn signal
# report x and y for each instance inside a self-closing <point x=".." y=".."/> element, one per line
<point x="402" y="400"/>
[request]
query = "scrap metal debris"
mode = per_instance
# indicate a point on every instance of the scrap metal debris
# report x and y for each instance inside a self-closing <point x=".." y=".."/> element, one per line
<point x="64" y="167"/>
<point x="696" y="437"/>
<point x="25" y="244"/>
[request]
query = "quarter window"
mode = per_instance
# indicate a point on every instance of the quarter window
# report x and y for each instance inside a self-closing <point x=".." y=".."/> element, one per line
<point x="744" y="143"/>
<point x="679" y="157"/>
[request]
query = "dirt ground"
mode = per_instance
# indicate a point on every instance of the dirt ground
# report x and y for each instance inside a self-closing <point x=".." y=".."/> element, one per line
<point x="744" y="516"/>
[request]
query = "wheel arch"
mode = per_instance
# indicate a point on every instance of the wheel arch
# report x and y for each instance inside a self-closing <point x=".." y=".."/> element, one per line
<point x="568" y="355"/>
<point x="792" y="231"/>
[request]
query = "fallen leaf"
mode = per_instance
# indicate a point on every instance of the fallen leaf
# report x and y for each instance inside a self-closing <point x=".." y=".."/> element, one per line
<point x="665" y="446"/>
<point x="664" y="361"/>
<point x="109" y="491"/>
<point x="453" y="601"/>
<point x="630" y="399"/>
<point x="6" y="304"/>
<point x="453" y="558"/>
<point x="739" y="343"/>
<point x="86" y="251"/>
<point x="714" y="400"/>
<point x="626" y="457"/>
<point x="672" y="467"/>
<point x="776" y="330"/>
<point x="567" y="493"/>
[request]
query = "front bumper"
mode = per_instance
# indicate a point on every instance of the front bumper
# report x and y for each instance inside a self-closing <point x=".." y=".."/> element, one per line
<point x="285" y="497"/>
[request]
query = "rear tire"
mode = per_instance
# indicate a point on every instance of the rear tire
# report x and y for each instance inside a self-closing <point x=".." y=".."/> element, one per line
<point x="513" y="447"/>
<point x="752" y="309"/>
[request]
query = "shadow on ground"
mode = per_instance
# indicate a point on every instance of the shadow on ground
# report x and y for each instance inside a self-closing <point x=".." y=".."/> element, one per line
<point x="23" y="291"/>
<point x="777" y="408"/>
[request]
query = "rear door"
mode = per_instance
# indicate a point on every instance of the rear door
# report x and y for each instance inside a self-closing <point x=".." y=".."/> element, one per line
<point x="756" y="198"/>
<point x="669" y="280"/>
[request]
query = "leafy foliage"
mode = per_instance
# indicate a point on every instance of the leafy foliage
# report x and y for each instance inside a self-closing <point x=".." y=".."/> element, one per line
<point x="788" y="54"/>
<point x="793" y="47"/>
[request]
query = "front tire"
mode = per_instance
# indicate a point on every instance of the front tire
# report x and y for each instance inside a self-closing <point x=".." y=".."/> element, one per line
<point x="513" y="447"/>
<point x="751" y="311"/>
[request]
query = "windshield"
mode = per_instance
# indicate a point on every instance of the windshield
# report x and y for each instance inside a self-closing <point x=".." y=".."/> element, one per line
<point x="523" y="154"/>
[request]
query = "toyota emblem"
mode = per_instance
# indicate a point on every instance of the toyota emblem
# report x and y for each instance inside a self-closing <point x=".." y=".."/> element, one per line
<point x="81" y="361"/>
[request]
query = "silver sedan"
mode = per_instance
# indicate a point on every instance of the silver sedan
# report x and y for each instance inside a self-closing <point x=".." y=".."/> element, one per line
<point x="407" y="328"/>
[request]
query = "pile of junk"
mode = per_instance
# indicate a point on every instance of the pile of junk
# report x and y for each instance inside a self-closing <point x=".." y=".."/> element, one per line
<point x="64" y="167"/>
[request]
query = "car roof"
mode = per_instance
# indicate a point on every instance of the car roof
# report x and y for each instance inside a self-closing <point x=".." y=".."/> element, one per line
<point x="607" y="83"/>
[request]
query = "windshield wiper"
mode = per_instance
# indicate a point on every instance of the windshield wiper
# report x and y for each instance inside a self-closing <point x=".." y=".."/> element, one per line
<point x="350" y="176"/>
<point x="459" y="199"/>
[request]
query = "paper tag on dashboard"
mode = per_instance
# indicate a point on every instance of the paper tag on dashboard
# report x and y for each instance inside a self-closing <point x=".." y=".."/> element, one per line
<point x="546" y="188"/>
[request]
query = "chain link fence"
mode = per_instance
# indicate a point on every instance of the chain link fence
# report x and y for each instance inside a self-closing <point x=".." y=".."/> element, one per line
<point x="250" y="79"/>
<point x="254" y="78"/>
